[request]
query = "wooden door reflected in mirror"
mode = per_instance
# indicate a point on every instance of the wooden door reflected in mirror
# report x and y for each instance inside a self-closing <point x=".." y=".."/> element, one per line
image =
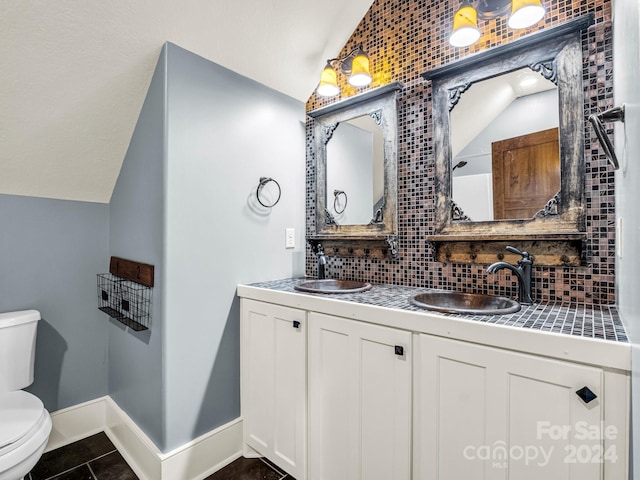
<point x="526" y="173"/>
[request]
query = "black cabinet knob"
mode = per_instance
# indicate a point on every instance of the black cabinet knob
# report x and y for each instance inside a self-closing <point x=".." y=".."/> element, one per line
<point x="586" y="395"/>
<point x="399" y="350"/>
<point x="296" y="324"/>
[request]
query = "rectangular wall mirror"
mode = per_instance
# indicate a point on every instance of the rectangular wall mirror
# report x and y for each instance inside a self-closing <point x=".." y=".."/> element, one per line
<point x="509" y="144"/>
<point x="355" y="155"/>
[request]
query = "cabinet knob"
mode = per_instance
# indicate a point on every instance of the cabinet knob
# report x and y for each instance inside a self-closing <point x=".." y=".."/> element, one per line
<point x="296" y="324"/>
<point x="399" y="350"/>
<point x="586" y="395"/>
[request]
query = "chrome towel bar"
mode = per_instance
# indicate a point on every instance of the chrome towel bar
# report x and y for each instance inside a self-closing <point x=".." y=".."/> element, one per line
<point x="597" y="120"/>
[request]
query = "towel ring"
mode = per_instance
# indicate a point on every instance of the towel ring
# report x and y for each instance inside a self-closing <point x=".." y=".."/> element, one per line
<point x="336" y="194"/>
<point x="263" y="182"/>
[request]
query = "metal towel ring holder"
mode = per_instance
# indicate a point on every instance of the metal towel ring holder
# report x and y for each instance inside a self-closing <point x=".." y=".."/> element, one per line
<point x="263" y="182"/>
<point x="613" y="115"/>
<point x="336" y="194"/>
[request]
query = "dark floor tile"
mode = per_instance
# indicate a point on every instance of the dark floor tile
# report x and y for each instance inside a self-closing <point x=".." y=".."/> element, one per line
<point x="277" y="469"/>
<point x="70" y="456"/>
<point x="112" y="467"/>
<point x="246" y="469"/>
<point x="80" y="473"/>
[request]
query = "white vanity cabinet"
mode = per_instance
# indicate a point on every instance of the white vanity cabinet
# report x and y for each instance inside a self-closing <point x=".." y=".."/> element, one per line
<point x="335" y="390"/>
<point x="274" y="372"/>
<point x="487" y="413"/>
<point x="359" y="400"/>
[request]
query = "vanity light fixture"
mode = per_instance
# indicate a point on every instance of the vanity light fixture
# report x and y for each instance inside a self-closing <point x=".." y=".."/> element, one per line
<point x="524" y="13"/>
<point x="355" y="65"/>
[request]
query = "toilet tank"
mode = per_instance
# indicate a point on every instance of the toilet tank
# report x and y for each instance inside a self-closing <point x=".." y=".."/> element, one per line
<point x="17" y="349"/>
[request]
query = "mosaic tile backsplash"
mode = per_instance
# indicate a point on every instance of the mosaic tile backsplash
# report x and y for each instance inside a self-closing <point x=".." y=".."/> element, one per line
<point x="406" y="38"/>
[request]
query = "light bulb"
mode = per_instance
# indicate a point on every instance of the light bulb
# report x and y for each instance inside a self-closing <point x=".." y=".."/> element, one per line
<point x="465" y="27"/>
<point x="328" y="86"/>
<point x="525" y="13"/>
<point x="360" y="76"/>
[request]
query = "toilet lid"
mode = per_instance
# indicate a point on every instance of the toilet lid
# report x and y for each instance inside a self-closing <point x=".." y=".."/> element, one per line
<point x="19" y="413"/>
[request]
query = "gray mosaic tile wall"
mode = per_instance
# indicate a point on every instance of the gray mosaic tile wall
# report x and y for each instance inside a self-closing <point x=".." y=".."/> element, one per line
<point x="407" y="38"/>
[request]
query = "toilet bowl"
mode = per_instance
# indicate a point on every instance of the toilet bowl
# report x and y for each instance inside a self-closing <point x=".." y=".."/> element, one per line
<point x="25" y="424"/>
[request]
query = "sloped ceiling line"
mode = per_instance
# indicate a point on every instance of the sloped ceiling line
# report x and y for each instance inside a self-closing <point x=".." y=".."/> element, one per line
<point x="75" y="74"/>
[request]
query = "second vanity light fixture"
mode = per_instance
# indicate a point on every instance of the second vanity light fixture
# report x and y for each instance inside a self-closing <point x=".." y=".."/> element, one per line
<point x="524" y="13"/>
<point x="355" y="65"/>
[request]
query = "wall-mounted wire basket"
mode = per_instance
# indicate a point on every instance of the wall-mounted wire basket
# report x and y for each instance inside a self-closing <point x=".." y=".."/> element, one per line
<point x="125" y="300"/>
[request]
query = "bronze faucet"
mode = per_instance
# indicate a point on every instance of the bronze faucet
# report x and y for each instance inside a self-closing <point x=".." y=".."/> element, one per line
<point x="522" y="271"/>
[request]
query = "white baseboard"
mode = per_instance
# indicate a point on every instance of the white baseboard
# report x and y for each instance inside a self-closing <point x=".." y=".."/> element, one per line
<point x="76" y="422"/>
<point x="206" y="454"/>
<point x="192" y="461"/>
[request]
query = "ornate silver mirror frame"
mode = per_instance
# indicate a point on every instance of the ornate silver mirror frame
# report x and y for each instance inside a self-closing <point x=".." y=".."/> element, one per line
<point x="556" y="53"/>
<point x="379" y="236"/>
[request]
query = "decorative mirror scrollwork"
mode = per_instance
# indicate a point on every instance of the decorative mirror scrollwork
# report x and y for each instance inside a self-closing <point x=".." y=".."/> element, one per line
<point x="551" y="208"/>
<point x="457" y="213"/>
<point x="455" y="93"/>
<point x="328" y="132"/>
<point x="355" y="150"/>
<point x="377" y="116"/>
<point x="392" y="241"/>
<point x="556" y="55"/>
<point x="547" y="69"/>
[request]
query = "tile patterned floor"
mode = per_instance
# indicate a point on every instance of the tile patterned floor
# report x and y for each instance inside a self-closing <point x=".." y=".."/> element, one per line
<point x="96" y="458"/>
<point x="93" y="458"/>
<point x="250" y="469"/>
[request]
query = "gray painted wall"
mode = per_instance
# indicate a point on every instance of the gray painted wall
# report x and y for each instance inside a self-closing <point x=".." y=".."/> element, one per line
<point x="224" y="132"/>
<point x="626" y="44"/>
<point x="185" y="202"/>
<point x="50" y="253"/>
<point x="136" y="232"/>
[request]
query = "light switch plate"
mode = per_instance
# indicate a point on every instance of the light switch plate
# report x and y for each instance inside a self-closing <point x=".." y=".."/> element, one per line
<point x="619" y="237"/>
<point x="290" y="238"/>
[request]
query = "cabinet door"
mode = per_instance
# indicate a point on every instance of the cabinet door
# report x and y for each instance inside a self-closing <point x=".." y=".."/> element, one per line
<point x="486" y="413"/>
<point x="274" y="383"/>
<point x="359" y="400"/>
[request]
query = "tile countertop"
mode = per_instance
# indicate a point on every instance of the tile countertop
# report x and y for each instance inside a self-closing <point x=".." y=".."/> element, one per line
<point x="592" y="334"/>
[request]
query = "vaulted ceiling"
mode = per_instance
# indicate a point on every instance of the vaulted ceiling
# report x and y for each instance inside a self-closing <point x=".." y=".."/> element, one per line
<point x="74" y="74"/>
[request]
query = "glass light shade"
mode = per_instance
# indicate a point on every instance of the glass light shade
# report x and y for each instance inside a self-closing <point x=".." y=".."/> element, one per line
<point x="465" y="27"/>
<point x="360" y="76"/>
<point x="328" y="86"/>
<point x="525" y="13"/>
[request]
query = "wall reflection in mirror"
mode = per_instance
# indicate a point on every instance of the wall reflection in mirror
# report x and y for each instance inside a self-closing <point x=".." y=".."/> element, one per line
<point x="504" y="147"/>
<point x="355" y="171"/>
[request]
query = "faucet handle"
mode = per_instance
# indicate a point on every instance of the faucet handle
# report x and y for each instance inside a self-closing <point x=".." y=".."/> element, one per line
<point x="518" y="252"/>
<point x="526" y="257"/>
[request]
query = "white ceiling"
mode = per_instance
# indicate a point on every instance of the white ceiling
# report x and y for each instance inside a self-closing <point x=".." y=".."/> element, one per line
<point x="74" y="74"/>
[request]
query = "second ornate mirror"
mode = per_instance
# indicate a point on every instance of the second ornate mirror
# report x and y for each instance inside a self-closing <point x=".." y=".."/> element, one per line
<point x="509" y="144"/>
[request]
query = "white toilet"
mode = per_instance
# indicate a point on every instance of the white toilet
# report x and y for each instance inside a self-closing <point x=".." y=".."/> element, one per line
<point x="25" y="425"/>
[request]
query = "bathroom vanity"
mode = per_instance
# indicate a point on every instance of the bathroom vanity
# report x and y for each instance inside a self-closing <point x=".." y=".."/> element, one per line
<point x="369" y="386"/>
